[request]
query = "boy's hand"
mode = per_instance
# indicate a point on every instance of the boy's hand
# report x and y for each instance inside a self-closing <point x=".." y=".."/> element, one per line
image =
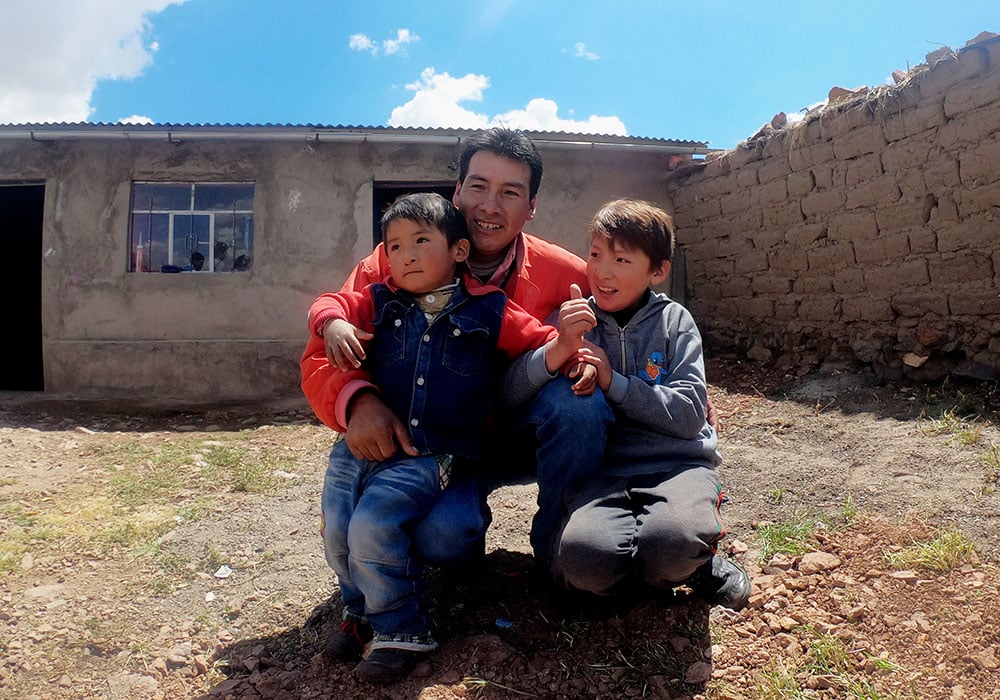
<point x="575" y="318"/>
<point x="594" y="355"/>
<point x="344" y="344"/>
<point x="585" y="376"/>
<point x="575" y="315"/>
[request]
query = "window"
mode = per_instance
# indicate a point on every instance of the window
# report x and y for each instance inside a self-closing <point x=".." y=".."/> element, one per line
<point x="191" y="227"/>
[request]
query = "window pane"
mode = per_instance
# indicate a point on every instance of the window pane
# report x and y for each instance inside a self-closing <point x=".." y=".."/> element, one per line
<point x="223" y="197"/>
<point x="243" y="243"/>
<point x="190" y="251"/>
<point x="149" y="241"/>
<point x="233" y="242"/>
<point x="161" y="197"/>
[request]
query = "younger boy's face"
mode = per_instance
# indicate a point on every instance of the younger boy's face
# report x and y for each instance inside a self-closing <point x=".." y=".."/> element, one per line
<point x="419" y="255"/>
<point x="619" y="276"/>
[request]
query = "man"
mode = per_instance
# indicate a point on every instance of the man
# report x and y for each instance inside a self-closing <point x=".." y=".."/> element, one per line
<point x="561" y="436"/>
<point x="500" y="171"/>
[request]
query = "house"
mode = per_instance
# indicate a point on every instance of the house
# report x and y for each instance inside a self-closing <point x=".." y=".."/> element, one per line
<point x="176" y="263"/>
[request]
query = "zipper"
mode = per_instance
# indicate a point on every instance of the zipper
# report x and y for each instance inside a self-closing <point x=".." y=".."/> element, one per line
<point x="621" y="349"/>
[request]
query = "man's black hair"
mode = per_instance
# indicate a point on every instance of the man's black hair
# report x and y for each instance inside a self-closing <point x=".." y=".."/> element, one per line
<point x="506" y="143"/>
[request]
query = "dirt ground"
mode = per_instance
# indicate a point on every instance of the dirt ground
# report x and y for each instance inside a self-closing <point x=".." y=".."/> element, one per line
<point x="219" y="589"/>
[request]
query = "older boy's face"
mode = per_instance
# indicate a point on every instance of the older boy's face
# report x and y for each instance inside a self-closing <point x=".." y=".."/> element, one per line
<point x="494" y="199"/>
<point x="619" y="276"/>
<point x="419" y="256"/>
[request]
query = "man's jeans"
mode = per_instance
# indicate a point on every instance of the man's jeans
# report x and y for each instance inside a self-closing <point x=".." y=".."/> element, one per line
<point x="369" y="511"/>
<point x="559" y="440"/>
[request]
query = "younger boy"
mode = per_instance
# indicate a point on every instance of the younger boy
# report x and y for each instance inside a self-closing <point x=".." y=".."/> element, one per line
<point x="652" y="514"/>
<point x="435" y="350"/>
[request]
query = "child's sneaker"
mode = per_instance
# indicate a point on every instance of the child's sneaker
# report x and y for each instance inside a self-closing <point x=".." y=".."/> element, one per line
<point x="349" y="641"/>
<point x="722" y="581"/>
<point x="388" y="664"/>
<point x="394" y="656"/>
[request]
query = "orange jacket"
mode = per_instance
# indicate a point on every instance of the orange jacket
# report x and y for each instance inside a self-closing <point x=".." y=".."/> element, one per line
<point x="539" y="287"/>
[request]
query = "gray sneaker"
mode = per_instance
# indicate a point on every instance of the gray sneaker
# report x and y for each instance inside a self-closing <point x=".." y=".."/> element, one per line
<point x="722" y="581"/>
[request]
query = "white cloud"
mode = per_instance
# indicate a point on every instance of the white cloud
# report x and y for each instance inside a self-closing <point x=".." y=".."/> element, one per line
<point x="363" y="42"/>
<point x="53" y="53"/>
<point x="437" y="98"/>
<point x="360" y="42"/>
<point x="437" y="104"/>
<point x="582" y="52"/>
<point x="543" y="115"/>
<point x="402" y="40"/>
<point x="136" y="119"/>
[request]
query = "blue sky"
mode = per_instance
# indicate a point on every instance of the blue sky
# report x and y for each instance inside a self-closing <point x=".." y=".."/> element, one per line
<point x="710" y="71"/>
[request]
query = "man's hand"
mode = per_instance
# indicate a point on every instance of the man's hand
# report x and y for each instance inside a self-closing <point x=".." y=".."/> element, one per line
<point x="711" y="414"/>
<point x="344" y="344"/>
<point x="374" y="432"/>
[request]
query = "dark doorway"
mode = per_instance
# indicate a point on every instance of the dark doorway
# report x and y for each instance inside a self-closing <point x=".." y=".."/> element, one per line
<point x="21" y="207"/>
<point x="385" y="193"/>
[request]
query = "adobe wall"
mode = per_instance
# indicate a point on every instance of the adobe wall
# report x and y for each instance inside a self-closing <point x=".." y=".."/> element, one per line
<point x="868" y="232"/>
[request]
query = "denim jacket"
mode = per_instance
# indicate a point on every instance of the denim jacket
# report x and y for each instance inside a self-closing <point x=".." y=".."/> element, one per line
<point x="439" y="379"/>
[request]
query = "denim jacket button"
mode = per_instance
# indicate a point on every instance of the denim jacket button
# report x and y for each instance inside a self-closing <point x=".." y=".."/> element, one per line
<point x="398" y="322"/>
<point x="427" y="339"/>
<point x="456" y="332"/>
<point x="414" y="422"/>
<point x="420" y="381"/>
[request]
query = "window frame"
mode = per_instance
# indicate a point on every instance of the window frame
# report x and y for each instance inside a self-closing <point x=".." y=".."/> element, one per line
<point x="141" y="253"/>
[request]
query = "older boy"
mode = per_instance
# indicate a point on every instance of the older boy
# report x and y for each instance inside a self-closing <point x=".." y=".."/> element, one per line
<point x="436" y="348"/>
<point x="652" y="515"/>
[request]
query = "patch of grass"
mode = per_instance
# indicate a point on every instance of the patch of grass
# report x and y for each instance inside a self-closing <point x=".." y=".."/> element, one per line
<point x="10" y="560"/>
<point x="213" y="559"/>
<point x="777" y="682"/>
<point x="790" y="537"/>
<point x="850" y="512"/>
<point x="946" y="552"/>
<point x="830" y="659"/>
<point x="776" y="495"/>
<point x="991" y="469"/>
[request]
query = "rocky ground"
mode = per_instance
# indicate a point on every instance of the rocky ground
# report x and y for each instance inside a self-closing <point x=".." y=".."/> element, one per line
<point x="147" y="553"/>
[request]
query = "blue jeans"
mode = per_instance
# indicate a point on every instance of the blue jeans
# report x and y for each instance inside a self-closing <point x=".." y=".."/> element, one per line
<point x="369" y="512"/>
<point x="558" y="440"/>
<point x="569" y="434"/>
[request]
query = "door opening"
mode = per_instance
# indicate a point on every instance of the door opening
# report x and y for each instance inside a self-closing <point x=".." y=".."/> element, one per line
<point x="21" y="208"/>
<point x="385" y="193"/>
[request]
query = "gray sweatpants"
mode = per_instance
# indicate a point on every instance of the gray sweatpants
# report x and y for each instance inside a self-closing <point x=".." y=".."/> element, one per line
<point x="655" y="529"/>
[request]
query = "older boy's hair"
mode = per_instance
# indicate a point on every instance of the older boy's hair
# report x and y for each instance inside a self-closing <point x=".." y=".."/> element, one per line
<point x="429" y="208"/>
<point x="506" y="143"/>
<point x="637" y="225"/>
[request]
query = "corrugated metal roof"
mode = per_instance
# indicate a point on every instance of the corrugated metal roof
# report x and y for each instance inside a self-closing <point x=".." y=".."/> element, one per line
<point x="70" y="130"/>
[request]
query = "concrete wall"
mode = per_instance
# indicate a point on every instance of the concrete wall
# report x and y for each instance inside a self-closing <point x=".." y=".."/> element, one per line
<point x="228" y="336"/>
<point x="868" y="232"/>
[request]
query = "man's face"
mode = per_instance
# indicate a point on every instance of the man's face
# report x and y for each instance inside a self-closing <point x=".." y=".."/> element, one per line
<point x="419" y="255"/>
<point x="494" y="197"/>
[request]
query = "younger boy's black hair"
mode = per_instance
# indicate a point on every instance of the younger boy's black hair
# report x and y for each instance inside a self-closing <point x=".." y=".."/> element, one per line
<point x="637" y="225"/>
<point x="506" y="143"/>
<point x="429" y="208"/>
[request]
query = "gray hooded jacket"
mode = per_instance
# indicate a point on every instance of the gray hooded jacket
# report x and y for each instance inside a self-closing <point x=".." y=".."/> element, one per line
<point x="658" y="390"/>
